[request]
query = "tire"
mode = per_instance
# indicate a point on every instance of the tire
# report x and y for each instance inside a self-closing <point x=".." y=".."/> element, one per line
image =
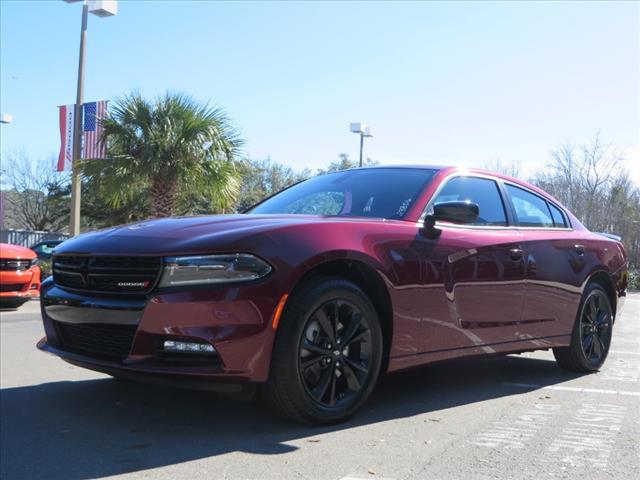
<point x="312" y="379"/>
<point x="591" y="334"/>
<point x="13" y="303"/>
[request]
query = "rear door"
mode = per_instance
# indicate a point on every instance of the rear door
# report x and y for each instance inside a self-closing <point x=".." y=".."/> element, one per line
<point x="555" y="259"/>
<point x="482" y="269"/>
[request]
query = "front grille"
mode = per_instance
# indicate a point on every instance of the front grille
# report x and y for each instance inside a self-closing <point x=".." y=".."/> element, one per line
<point x="11" y="287"/>
<point x="102" y="340"/>
<point x="108" y="274"/>
<point x="14" y="265"/>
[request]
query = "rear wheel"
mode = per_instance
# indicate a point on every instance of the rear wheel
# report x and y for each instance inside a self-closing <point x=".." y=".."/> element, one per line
<point x="591" y="336"/>
<point x="327" y="353"/>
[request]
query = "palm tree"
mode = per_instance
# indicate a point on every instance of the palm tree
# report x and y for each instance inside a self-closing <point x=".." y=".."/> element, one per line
<point x="165" y="150"/>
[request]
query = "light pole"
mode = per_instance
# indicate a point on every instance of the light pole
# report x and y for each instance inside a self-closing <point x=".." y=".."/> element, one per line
<point x="100" y="8"/>
<point x="4" y="118"/>
<point x="364" y="131"/>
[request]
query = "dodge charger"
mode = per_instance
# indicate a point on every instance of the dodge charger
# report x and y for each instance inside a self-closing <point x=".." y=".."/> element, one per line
<point x="315" y="292"/>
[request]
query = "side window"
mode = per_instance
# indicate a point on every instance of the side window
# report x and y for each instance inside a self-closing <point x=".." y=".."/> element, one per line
<point x="531" y="210"/>
<point x="558" y="217"/>
<point x="482" y="191"/>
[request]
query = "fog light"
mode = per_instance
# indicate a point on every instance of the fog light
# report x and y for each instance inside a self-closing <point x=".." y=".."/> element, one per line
<point x="187" y="347"/>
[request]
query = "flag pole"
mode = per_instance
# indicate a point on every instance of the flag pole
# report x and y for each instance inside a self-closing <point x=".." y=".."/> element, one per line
<point x="76" y="180"/>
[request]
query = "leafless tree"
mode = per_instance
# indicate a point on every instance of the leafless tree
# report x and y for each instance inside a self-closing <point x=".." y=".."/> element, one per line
<point x="513" y="168"/>
<point x="591" y="181"/>
<point x="35" y="193"/>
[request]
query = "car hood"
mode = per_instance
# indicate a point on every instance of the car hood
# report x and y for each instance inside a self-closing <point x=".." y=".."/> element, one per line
<point x="10" y="251"/>
<point x="170" y="236"/>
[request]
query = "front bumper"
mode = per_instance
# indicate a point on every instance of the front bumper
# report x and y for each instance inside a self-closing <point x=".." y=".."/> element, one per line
<point x="235" y="320"/>
<point x="16" y="285"/>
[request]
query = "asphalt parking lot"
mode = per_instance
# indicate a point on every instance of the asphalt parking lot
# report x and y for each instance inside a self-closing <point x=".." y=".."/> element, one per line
<point x="508" y="417"/>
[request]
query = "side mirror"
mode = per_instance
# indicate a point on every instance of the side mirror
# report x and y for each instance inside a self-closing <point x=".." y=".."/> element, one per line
<point x="454" y="212"/>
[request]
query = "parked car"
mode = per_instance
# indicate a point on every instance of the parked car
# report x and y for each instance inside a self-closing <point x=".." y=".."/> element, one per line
<point x="19" y="275"/>
<point x="316" y="291"/>
<point x="45" y="248"/>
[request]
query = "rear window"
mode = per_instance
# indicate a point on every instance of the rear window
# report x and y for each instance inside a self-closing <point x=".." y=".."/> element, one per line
<point x="531" y="210"/>
<point x="559" y="219"/>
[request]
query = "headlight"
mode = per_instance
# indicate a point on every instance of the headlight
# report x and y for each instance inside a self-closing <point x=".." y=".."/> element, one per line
<point x="207" y="269"/>
<point x="34" y="262"/>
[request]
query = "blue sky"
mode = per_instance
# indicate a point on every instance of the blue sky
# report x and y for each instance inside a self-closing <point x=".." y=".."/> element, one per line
<point x="460" y="83"/>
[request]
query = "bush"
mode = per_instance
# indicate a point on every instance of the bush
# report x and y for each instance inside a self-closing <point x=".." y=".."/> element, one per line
<point x="45" y="268"/>
<point x="634" y="279"/>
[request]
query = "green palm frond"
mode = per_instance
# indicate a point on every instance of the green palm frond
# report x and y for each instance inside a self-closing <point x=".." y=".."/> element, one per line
<point x="174" y="144"/>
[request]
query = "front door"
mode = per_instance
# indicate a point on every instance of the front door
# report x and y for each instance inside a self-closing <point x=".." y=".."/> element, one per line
<point x="477" y="271"/>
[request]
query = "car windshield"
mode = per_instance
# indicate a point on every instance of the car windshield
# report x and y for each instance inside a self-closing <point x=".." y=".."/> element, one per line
<point x="369" y="192"/>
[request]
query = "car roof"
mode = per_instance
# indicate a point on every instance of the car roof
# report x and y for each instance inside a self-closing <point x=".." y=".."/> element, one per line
<point x="413" y="166"/>
<point x="449" y="169"/>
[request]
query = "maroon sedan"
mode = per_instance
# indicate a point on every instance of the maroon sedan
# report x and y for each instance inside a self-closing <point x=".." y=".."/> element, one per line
<point x="319" y="289"/>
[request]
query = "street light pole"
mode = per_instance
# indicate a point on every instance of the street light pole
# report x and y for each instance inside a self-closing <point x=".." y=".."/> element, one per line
<point x="364" y="131"/>
<point x="76" y="181"/>
<point x="99" y="8"/>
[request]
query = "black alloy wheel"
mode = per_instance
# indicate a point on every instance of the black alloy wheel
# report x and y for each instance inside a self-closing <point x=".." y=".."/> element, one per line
<point x="327" y="353"/>
<point x="591" y="336"/>
<point x="335" y="353"/>
<point x="595" y="327"/>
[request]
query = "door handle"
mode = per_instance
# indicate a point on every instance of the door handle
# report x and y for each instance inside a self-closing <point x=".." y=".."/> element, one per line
<point x="516" y="254"/>
<point x="580" y="249"/>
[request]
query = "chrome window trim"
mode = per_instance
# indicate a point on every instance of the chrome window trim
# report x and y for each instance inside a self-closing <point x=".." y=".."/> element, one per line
<point x="565" y="217"/>
<point x="498" y="180"/>
<point x="496" y="227"/>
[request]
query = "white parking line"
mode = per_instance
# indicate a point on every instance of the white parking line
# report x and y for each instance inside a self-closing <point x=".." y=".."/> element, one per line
<point x="590" y="436"/>
<point x="572" y="389"/>
<point x="624" y="352"/>
<point x="516" y="432"/>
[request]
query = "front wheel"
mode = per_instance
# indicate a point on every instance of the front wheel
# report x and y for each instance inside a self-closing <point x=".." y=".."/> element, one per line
<point x="327" y="353"/>
<point x="591" y="335"/>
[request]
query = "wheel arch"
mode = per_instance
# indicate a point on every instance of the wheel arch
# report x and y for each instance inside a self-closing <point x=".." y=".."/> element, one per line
<point x="603" y="278"/>
<point x="366" y="278"/>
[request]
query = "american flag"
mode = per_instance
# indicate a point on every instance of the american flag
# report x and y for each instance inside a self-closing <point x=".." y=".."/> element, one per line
<point x="93" y="114"/>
